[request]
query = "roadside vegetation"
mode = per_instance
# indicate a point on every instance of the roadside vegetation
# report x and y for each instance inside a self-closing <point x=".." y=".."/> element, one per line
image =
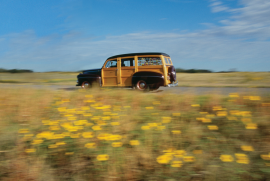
<point x="233" y="79"/>
<point x="127" y="135"/>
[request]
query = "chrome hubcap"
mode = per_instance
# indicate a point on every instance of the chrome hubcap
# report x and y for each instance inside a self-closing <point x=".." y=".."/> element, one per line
<point x="142" y="84"/>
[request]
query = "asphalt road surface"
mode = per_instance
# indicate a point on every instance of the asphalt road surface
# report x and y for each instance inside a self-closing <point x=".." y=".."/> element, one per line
<point x="175" y="90"/>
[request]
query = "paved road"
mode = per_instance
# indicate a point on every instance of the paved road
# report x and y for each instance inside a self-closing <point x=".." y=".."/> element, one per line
<point x="176" y="90"/>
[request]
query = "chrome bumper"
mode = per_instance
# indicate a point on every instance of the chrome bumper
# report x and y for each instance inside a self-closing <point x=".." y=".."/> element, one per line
<point x="174" y="84"/>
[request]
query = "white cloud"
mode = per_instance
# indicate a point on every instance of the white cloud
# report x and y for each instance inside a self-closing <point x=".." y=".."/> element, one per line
<point x="249" y="21"/>
<point x="217" y="6"/>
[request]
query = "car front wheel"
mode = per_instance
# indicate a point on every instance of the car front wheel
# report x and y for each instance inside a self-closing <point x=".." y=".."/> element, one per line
<point x="142" y="85"/>
<point x="86" y="85"/>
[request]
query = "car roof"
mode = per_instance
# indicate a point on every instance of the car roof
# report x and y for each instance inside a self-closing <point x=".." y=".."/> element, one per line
<point x="134" y="54"/>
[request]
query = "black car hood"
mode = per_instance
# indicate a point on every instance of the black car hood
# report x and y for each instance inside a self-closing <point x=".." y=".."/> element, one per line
<point x="92" y="71"/>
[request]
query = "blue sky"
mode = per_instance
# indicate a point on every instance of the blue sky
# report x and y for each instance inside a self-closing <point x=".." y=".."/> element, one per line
<point x="71" y="35"/>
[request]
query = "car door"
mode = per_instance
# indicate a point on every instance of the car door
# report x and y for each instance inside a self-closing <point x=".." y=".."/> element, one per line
<point x="110" y="73"/>
<point x="127" y="70"/>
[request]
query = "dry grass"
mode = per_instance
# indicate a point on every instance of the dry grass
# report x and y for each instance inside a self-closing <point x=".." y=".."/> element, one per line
<point x="238" y="79"/>
<point x="160" y="137"/>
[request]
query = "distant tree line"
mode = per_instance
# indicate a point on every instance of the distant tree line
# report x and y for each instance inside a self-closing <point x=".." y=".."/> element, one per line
<point x="179" y="70"/>
<point x="15" y="71"/>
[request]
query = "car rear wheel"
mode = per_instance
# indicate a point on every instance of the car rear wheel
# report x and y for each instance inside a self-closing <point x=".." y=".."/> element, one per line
<point x="86" y="85"/>
<point x="142" y="85"/>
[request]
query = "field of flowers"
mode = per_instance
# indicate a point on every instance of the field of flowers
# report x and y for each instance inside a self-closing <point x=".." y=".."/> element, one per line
<point x="127" y="135"/>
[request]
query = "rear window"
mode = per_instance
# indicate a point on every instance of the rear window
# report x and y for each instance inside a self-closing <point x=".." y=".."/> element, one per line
<point x="145" y="61"/>
<point x="167" y="60"/>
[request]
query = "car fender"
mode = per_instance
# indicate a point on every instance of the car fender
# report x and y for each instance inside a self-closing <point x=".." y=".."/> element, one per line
<point x="151" y="78"/>
<point x="91" y="78"/>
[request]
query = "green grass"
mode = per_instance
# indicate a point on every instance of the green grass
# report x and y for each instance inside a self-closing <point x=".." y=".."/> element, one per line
<point x="60" y="135"/>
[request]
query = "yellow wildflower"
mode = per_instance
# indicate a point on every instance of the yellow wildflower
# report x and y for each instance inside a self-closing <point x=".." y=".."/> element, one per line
<point x="254" y="98"/>
<point x="87" y="114"/>
<point x="69" y="115"/>
<point x="101" y="123"/>
<point x="205" y="120"/>
<point x="115" y="123"/>
<point x="176" y="114"/>
<point x="164" y="159"/>
<point x="189" y="159"/>
<point x="221" y="113"/>
<point x="52" y="146"/>
<point x="77" y="135"/>
<point x="217" y="108"/>
<point x="234" y="95"/>
<point x="152" y="124"/>
<point x="36" y="142"/>
<point x="166" y="119"/>
<point x="247" y="148"/>
<point x="179" y="153"/>
<point x="85" y="108"/>
<point x="210" y="115"/>
<point x="161" y="127"/>
<point x="145" y="127"/>
<point x="117" y="144"/>
<point x="96" y="128"/>
<point x="54" y="128"/>
<point x="23" y="131"/>
<point x="72" y="118"/>
<point x="60" y="143"/>
<point x="176" y="132"/>
<point x="69" y="153"/>
<point x="149" y="108"/>
<point x="103" y="136"/>
<point x="114" y="137"/>
<point x="89" y="95"/>
<point x="195" y="105"/>
<point x="58" y="136"/>
<point x="31" y="150"/>
<point x="106" y="118"/>
<point x="232" y="118"/>
<point x="242" y="158"/>
<point x="251" y="126"/>
<point x="80" y="112"/>
<point x="212" y="127"/>
<point x="103" y="157"/>
<point x="176" y="164"/>
<point x="265" y="157"/>
<point x="88" y="135"/>
<point x="134" y="142"/>
<point x="203" y="112"/>
<point x="156" y="102"/>
<point x="226" y="158"/>
<point x="90" y="145"/>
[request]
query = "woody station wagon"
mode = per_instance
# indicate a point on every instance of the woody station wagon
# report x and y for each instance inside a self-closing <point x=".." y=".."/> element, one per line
<point x="142" y="71"/>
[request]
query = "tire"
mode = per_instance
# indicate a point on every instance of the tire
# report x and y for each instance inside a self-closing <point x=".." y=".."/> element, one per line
<point x="141" y="85"/>
<point x="86" y="85"/>
<point x="153" y="88"/>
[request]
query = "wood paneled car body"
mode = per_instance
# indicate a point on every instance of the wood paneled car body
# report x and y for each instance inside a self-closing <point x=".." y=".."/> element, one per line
<point x="142" y="71"/>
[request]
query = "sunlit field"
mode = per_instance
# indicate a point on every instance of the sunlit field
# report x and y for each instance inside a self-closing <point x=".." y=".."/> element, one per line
<point x="234" y="79"/>
<point x="128" y="135"/>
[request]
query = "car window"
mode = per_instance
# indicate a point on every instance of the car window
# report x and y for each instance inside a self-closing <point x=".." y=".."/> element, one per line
<point x="170" y="60"/>
<point x="166" y="60"/>
<point x="128" y="62"/>
<point x="111" y="63"/>
<point x="144" y="61"/>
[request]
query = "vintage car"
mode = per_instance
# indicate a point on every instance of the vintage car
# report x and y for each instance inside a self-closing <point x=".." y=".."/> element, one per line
<point x="141" y="71"/>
